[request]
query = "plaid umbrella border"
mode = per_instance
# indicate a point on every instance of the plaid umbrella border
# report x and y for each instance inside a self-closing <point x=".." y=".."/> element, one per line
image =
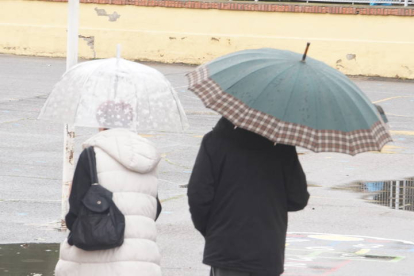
<point x="278" y="131"/>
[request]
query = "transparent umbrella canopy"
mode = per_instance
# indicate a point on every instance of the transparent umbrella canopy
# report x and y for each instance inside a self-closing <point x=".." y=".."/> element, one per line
<point x="115" y="92"/>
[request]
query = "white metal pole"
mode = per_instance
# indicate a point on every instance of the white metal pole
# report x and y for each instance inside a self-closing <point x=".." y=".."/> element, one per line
<point x="69" y="130"/>
<point x="405" y="3"/>
<point x="118" y="51"/>
<point x="73" y="33"/>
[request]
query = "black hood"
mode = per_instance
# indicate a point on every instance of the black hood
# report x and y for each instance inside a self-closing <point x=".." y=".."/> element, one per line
<point x="243" y="138"/>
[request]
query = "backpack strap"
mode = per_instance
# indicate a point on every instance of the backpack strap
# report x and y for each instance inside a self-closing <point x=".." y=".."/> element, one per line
<point x="92" y="165"/>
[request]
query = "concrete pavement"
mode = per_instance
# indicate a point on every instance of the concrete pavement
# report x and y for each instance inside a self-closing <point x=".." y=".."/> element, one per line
<point x="322" y="238"/>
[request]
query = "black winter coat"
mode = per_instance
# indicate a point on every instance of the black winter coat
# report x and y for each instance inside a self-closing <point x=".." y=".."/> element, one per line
<point x="240" y="191"/>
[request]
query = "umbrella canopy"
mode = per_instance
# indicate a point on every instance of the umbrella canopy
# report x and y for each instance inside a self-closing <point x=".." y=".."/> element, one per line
<point x="114" y="92"/>
<point x="275" y="94"/>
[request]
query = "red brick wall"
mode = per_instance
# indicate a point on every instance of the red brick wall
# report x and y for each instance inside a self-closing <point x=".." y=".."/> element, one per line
<point x="260" y="6"/>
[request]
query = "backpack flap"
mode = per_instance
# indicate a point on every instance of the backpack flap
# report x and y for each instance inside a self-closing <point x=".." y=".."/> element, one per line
<point x="97" y="199"/>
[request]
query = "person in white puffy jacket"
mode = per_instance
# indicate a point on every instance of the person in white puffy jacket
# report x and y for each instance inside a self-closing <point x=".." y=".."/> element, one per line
<point x="126" y="165"/>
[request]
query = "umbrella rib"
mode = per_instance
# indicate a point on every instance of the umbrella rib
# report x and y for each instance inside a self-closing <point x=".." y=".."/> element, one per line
<point x="248" y="52"/>
<point x="53" y="93"/>
<point x="134" y="111"/>
<point x="373" y="138"/>
<point x="82" y="94"/>
<point x="238" y="64"/>
<point x="250" y="105"/>
<point x="209" y="77"/>
<point x="336" y="102"/>
<point x="344" y="121"/>
<point x="349" y="84"/>
<point x="180" y="111"/>
<point x="148" y="100"/>
<point x="290" y="95"/>
<point x="351" y="97"/>
<point x="256" y="72"/>
<point x="316" y="107"/>
<point x="344" y="80"/>
<point x="279" y="74"/>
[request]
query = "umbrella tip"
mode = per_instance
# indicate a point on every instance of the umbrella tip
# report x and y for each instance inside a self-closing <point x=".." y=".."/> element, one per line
<point x="118" y="51"/>
<point x="306" y="52"/>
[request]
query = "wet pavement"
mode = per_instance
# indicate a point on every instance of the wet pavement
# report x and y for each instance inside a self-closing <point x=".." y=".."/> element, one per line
<point x="28" y="259"/>
<point x="307" y="254"/>
<point x="30" y="186"/>
<point x="317" y="254"/>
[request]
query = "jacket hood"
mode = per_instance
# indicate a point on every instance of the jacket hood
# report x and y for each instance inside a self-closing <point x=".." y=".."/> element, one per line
<point x="128" y="148"/>
<point x="242" y="137"/>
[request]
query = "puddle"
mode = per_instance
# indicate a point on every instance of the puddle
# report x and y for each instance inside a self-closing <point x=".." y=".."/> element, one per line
<point x="322" y="254"/>
<point x="395" y="194"/>
<point x="28" y="259"/>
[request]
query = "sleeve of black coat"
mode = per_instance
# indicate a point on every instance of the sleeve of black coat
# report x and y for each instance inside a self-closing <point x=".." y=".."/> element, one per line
<point x="296" y="186"/>
<point x="201" y="189"/>
<point x="80" y="185"/>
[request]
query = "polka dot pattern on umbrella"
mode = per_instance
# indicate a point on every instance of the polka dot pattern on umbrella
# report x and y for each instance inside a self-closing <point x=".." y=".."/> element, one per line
<point x="115" y="92"/>
<point x="115" y="114"/>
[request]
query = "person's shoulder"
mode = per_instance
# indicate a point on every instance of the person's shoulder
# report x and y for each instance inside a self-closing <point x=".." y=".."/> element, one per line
<point x="84" y="154"/>
<point x="207" y="138"/>
<point x="83" y="160"/>
<point x="211" y="142"/>
<point x="286" y="149"/>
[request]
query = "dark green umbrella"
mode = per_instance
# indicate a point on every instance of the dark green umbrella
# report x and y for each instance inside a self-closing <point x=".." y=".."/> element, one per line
<point x="288" y="100"/>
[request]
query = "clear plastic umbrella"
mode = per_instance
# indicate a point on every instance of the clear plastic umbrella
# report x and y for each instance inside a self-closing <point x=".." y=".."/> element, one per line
<point x="115" y="92"/>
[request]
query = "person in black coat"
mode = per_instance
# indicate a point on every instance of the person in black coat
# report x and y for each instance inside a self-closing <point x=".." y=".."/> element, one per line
<point x="240" y="191"/>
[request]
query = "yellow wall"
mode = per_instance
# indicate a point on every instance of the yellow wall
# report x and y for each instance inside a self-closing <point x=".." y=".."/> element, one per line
<point x="354" y="44"/>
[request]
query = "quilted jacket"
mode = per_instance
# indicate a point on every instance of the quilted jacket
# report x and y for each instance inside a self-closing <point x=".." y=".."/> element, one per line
<point x="126" y="165"/>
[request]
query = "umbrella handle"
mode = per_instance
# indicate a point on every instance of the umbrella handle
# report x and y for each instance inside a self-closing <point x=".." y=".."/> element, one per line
<point x="306" y="52"/>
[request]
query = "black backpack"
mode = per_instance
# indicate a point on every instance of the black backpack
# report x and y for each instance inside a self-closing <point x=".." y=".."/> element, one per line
<point x="99" y="225"/>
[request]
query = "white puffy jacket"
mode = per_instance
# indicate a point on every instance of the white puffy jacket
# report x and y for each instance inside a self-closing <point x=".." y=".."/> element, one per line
<point x="126" y="165"/>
